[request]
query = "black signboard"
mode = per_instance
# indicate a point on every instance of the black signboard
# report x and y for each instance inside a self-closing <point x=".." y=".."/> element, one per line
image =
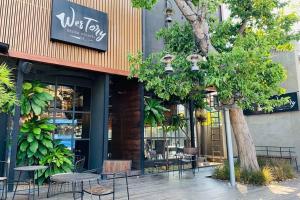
<point x="79" y="25"/>
<point x="291" y="106"/>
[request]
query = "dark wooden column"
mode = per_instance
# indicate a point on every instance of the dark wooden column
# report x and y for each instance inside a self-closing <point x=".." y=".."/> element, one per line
<point x="126" y="121"/>
<point x="23" y="68"/>
<point x="3" y="140"/>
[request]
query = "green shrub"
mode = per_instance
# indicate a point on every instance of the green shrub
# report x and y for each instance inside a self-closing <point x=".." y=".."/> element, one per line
<point x="270" y="171"/>
<point x="36" y="145"/>
<point x="282" y="170"/>
<point x="59" y="160"/>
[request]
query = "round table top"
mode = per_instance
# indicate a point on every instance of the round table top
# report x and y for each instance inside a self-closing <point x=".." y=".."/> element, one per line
<point x="31" y="168"/>
<point x="74" y="177"/>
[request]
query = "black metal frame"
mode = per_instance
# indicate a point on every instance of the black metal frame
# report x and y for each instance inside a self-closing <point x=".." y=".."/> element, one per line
<point x="4" y="182"/>
<point x="27" y="183"/>
<point x="287" y="153"/>
<point x="186" y="159"/>
<point x="114" y="176"/>
<point x="73" y="191"/>
<point x="16" y="127"/>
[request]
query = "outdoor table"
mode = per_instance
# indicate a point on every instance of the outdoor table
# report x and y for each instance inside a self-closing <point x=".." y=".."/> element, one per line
<point x="74" y="178"/>
<point x="29" y="170"/>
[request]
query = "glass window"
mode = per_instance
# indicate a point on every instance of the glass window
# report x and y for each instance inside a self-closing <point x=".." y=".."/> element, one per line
<point x="82" y="125"/>
<point x="64" y="99"/>
<point x="82" y="99"/>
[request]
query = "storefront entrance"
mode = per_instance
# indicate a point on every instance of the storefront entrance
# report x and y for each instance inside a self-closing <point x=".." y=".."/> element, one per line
<point x="77" y="110"/>
<point x="70" y="112"/>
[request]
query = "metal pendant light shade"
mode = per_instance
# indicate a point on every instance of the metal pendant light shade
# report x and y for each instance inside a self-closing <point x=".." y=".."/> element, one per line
<point x="194" y="58"/>
<point x="169" y="14"/>
<point x="167" y="59"/>
<point x="169" y="19"/>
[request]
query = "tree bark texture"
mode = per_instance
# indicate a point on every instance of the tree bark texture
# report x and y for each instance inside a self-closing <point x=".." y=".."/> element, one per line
<point x="197" y="18"/>
<point x="245" y="144"/>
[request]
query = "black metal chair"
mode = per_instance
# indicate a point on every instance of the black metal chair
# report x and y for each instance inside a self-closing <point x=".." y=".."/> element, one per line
<point x="79" y="165"/>
<point x="3" y="179"/>
<point x="189" y="156"/>
<point x="111" y="170"/>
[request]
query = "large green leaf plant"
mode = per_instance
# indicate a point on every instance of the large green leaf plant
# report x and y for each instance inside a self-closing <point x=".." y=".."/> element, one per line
<point x="36" y="145"/>
<point x="7" y="92"/>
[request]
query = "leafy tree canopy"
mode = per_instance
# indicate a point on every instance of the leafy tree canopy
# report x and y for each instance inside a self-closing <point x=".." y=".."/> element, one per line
<point x="240" y="68"/>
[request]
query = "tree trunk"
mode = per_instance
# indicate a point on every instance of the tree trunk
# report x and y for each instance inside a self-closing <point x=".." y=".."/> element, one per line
<point x="245" y="144"/>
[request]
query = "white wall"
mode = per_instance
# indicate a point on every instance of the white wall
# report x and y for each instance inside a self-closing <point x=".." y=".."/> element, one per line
<point x="279" y="129"/>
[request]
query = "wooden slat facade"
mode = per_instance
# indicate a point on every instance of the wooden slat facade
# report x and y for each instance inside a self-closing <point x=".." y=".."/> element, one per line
<point x="25" y="25"/>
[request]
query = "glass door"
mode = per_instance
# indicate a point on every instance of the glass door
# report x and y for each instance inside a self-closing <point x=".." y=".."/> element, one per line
<point x="70" y="112"/>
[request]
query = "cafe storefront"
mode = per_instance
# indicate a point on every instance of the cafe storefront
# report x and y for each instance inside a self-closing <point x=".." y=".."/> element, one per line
<point x="79" y="50"/>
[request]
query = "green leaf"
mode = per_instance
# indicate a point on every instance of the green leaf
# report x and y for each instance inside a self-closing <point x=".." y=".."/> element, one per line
<point x="38" y="89"/>
<point x="34" y="146"/>
<point x="43" y="150"/>
<point x="38" y="102"/>
<point x="24" y="146"/>
<point x="27" y="86"/>
<point x="45" y="96"/>
<point x="24" y="129"/>
<point x="47" y="143"/>
<point x="48" y="127"/>
<point x="30" y="154"/>
<point x="36" y="108"/>
<point x="30" y="138"/>
<point x="37" y="131"/>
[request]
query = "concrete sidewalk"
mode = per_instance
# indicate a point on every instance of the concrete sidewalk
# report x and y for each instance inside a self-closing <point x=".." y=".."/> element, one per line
<point x="198" y="187"/>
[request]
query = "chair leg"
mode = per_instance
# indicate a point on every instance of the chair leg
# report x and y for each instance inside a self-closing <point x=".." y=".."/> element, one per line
<point x="82" y="190"/>
<point x="114" y="187"/>
<point x="296" y="164"/>
<point x="73" y="190"/>
<point x="17" y="185"/>
<point x="127" y="186"/>
<point x="2" y="190"/>
<point x="49" y="187"/>
<point x="5" y="189"/>
<point x="29" y="190"/>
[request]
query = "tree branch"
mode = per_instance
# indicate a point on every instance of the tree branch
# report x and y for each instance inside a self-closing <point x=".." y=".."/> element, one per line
<point x="199" y="24"/>
<point x="187" y="11"/>
<point x="191" y="5"/>
<point x="243" y="27"/>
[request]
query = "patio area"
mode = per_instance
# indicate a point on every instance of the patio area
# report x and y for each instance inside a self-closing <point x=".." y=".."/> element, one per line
<point x="166" y="186"/>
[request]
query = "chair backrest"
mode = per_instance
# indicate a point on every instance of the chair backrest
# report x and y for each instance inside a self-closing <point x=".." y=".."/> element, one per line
<point x="79" y="165"/>
<point x="115" y="166"/>
<point x="190" y="150"/>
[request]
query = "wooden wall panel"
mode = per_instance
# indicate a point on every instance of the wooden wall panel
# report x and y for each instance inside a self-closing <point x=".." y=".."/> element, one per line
<point x="31" y="41"/>
<point x="126" y="121"/>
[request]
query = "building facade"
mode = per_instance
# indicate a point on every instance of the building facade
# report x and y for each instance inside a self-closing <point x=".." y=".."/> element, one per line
<point x="79" y="50"/>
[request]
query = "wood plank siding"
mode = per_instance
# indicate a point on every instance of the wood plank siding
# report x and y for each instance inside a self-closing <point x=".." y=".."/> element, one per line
<point x="126" y="120"/>
<point x="25" y="25"/>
